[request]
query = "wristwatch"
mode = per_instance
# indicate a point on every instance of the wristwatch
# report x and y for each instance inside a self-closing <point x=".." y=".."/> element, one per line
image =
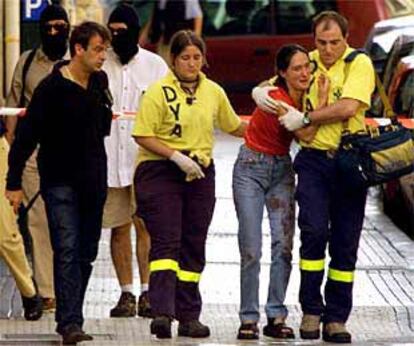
<point x="306" y="119"/>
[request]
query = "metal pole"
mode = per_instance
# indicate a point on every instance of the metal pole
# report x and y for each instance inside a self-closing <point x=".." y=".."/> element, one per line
<point x="11" y="39"/>
<point x="2" y="93"/>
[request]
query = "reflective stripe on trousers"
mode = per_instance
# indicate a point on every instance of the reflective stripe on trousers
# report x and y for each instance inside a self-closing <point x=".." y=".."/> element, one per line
<point x="169" y="264"/>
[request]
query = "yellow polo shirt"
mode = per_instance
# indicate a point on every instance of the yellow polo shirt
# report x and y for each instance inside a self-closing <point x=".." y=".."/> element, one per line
<point x="359" y="85"/>
<point x="164" y="113"/>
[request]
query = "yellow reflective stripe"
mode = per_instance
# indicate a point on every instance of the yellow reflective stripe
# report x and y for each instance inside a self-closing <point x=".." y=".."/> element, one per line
<point x="169" y="264"/>
<point x="341" y="275"/>
<point x="164" y="264"/>
<point x="312" y="265"/>
<point x="184" y="275"/>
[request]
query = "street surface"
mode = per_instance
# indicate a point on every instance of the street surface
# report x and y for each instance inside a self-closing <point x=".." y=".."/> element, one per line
<point x="383" y="292"/>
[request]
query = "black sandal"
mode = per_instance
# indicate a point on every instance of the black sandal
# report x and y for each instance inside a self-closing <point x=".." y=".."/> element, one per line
<point x="248" y="331"/>
<point x="278" y="331"/>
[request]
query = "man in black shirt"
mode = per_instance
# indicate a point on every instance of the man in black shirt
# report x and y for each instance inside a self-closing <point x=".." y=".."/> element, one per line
<point x="68" y="117"/>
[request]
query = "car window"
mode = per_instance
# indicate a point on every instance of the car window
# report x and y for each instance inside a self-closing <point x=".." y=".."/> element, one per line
<point x="399" y="50"/>
<point x="241" y="17"/>
<point x="382" y="44"/>
<point x="404" y="101"/>
<point x="295" y="17"/>
<point x="234" y="17"/>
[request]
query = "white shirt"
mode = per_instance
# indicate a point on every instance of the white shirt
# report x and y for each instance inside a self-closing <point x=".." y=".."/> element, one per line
<point x="127" y="84"/>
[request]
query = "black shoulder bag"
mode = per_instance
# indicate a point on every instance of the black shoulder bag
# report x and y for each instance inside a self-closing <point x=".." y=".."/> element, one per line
<point x="376" y="155"/>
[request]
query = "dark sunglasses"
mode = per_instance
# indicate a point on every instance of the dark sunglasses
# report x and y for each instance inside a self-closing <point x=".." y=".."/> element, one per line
<point x="57" y="27"/>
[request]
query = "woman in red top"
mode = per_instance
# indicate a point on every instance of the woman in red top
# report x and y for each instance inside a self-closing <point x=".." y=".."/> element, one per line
<point x="263" y="176"/>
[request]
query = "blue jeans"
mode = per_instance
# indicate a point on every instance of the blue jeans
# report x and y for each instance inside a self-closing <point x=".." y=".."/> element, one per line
<point x="264" y="180"/>
<point x="75" y="218"/>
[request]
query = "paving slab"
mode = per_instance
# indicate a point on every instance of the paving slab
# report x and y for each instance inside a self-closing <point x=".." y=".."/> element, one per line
<point x="383" y="291"/>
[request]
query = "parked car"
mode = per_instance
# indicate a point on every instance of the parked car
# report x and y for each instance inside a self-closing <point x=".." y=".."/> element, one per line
<point x="383" y="35"/>
<point x="243" y="36"/>
<point x="402" y="47"/>
<point x="399" y="194"/>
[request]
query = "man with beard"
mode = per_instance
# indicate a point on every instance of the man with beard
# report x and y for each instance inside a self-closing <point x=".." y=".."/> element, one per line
<point x="54" y="32"/>
<point x="68" y="117"/>
<point x="130" y="70"/>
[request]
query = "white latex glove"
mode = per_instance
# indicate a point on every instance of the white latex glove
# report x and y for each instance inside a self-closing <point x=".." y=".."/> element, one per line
<point x="261" y="96"/>
<point x="187" y="165"/>
<point x="293" y="119"/>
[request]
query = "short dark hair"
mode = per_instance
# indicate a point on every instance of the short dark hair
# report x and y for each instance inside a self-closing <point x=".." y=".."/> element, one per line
<point x="330" y="16"/>
<point x="82" y="34"/>
<point x="183" y="38"/>
<point x="283" y="58"/>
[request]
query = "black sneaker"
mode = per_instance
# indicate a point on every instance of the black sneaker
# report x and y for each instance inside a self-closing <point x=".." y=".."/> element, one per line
<point x="126" y="306"/>
<point x="248" y="331"/>
<point x="193" y="329"/>
<point x="72" y="334"/>
<point x="161" y="327"/>
<point x="33" y="307"/>
<point x="144" y="307"/>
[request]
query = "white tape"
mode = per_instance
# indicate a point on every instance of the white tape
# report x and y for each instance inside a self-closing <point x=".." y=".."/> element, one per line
<point x="11" y="112"/>
<point x="19" y="112"/>
<point x="383" y="121"/>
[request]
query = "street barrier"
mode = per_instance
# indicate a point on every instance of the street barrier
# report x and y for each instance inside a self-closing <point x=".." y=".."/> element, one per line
<point x="374" y="122"/>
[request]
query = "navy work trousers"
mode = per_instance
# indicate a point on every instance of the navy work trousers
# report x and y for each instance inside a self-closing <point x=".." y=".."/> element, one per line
<point x="177" y="215"/>
<point x="331" y="212"/>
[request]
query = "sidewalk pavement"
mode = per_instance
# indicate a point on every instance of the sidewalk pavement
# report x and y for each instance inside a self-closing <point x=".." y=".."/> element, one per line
<point x="383" y="292"/>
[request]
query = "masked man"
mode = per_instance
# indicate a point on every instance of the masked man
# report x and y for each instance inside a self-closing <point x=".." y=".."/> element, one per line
<point x="36" y="65"/>
<point x="130" y="70"/>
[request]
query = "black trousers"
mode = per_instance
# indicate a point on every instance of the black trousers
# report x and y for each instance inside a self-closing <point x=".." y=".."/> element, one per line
<point x="330" y="212"/>
<point x="177" y="215"/>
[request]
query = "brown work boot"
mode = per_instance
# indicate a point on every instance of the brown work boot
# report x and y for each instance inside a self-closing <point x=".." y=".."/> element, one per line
<point x="126" y="307"/>
<point x="336" y="332"/>
<point x="309" y="327"/>
<point x="144" y="307"/>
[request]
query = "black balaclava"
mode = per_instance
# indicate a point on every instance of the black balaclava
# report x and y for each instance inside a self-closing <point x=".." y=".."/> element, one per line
<point x="125" y="42"/>
<point x="54" y="46"/>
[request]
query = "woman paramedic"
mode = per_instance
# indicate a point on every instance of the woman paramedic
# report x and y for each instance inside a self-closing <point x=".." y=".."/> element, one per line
<point x="175" y="181"/>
